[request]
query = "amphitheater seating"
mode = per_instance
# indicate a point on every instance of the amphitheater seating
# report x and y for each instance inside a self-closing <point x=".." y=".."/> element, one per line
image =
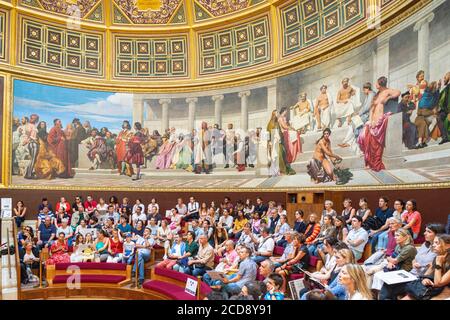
<point x="168" y="284"/>
<point x="91" y="274"/>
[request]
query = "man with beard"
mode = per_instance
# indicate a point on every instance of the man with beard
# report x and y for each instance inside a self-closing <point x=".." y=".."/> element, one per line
<point x="97" y="149"/>
<point x="229" y="146"/>
<point x="121" y="146"/>
<point x="320" y="167"/>
<point x="58" y="144"/>
<point x="444" y="107"/>
<point x="33" y="145"/>
<point x="344" y="105"/>
<point x="202" y="151"/>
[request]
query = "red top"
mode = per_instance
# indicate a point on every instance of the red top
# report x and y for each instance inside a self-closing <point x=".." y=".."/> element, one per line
<point x="116" y="247"/>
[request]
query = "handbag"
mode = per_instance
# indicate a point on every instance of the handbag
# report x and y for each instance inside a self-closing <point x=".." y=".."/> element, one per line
<point x="418" y="291"/>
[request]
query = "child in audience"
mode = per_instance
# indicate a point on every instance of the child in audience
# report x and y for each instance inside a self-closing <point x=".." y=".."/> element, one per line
<point x="128" y="249"/>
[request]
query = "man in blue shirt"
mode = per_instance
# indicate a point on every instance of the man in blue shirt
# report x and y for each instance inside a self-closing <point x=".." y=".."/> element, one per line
<point x="124" y="227"/>
<point x="382" y="213"/>
<point x="46" y="233"/>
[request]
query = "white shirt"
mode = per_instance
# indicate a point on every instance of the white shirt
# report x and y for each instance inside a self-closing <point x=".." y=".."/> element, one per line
<point x="135" y="217"/>
<point x="151" y="206"/>
<point x="357" y="296"/>
<point x="266" y="245"/>
<point x="359" y="234"/>
<point x="181" y="209"/>
<point x="140" y="205"/>
<point x="193" y="207"/>
<point x="226" y="222"/>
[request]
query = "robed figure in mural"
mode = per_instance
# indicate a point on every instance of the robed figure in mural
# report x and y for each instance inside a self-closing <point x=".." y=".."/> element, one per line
<point x="57" y="143"/>
<point x="203" y="150"/>
<point x="372" y="138"/>
<point x="121" y="147"/>
<point x="48" y="165"/>
<point x="134" y="154"/>
<point x="30" y="131"/>
<point x="291" y="137"/>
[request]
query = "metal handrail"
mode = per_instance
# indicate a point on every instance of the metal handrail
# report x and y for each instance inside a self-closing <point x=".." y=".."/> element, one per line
<point x="16" y="248"/>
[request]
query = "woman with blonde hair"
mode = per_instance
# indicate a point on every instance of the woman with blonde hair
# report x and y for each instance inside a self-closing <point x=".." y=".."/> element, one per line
<point x="353" y="278"/>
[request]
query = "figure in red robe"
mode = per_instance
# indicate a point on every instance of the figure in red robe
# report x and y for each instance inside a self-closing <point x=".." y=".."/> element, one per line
<point x="58" y="144"/>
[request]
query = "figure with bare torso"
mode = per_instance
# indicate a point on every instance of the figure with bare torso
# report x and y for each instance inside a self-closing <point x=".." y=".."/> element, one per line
<point x="300" y="115"/>
<point x="344" y="105"/>
<point x="371" y="139"/>
<point x="321" y="166"/>
<point x="322" y="109"/>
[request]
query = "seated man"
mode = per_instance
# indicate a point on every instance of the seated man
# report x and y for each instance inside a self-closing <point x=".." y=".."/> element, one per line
<point x="278" y="261"/>
<point x="345" y="106"/>
<point x="265" y="245"/>
<point x="46" y="234"/>
<point x="175" y="253"/>
<point x="301" y="115"/>
<point x="357" y="238"/>
<point x="246" y="273"/>
<point x="203" y="261"/>
<point x="228" y="264"/>
<point x="143" y="247"/>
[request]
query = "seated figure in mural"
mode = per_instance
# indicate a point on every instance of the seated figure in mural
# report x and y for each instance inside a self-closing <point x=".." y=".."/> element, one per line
<point x="47" y="166"/>
<point x="229" y="146"/>
<point x="182" y="154"/>
<point x="301" y="115"/>
<point x="121" y="146"/>
<point x="322" y="109"/>
<point x="110" y="149"/>
<point x="151" y="147"/>
<point x="372" y="137"/>
<point x="345" y="107"/>
<point x="134" y="154"/>
<point x="358" y="120"/>
<point x="409" y="129"/>
<point x="426" y="119"/>
<point x="321" y="166"/>
<point x="240" y="150"/>
<point x="58" y="144"/>
<point x="97" y="149"/>
<point x="164" y="157"/>
<point x="416" y="90"/>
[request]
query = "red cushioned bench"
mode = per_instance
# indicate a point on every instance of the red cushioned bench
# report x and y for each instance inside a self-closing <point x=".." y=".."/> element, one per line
<point x="169" y="284"/>
<point x="90" y="274"/>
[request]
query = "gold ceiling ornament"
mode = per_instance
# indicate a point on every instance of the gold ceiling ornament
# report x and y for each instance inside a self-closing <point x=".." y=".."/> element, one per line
<point x="149" y="4"/>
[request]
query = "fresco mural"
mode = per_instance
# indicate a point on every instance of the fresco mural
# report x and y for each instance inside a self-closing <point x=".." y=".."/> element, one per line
<point x="370" y="117"/>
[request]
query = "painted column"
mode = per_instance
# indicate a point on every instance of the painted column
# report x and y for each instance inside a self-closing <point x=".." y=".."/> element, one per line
<point x="382" y="59"/>
<point x="218" y="109"/>
<point x="271" y="100"/>
<point x="423" y="54"/>
<point x="165" y="114"/>
<point x="138" y="109"/>
<point x="244" y="109"/>
<point x="192" y="104"/>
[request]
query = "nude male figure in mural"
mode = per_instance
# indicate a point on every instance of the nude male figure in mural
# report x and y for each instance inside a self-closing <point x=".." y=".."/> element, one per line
<point x="383" y="95"/>
<point x="344" y="105"/>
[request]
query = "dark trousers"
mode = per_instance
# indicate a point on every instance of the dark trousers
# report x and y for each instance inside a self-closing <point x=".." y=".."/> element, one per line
<point x="392" y="291"/>
<point x="440" y="123"/>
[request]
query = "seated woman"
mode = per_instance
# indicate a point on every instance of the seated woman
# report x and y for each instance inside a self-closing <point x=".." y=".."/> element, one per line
<point x="101" y="246"/>
<point x="60" y="216"/>
<point x="78" y="248"/>
<point x="288" y="251"/>
<point x="208" y="231"/>
<point x="139" y="229"/>
<point x="341" y="228"/>
<point x="238" y="225"/>
<point x="401" y="259"/>
<point x="343" y="257"/>
<point x="353" y="278"/>
<point x="437" y="277"/>
<point x="220" y="238"/>
<point x="67" y="230"/>
<point x="398" y="211"/>
<point x="274" y="287"/>
<point x="425" y="253"/>
<point x="115" y="247"/>
<point x="29" y="259"/>
<point x="59" y="251"/>
<point x="89" y="249"/>
<point x="299" y="260"/>
<point x="280" y="230"/>
<point x="24" y="236"/>
<point x="326" y="230"/>
<point x="164" y="236"/>
<point x="256" y="223"/>
<point x="82" y="228"/>
<point x="299" y="224"/>
<point x="175" y="221"/>
<point x="412" y="218"/>
<point x="175" y="253"/>
<point x="327" y="252"/>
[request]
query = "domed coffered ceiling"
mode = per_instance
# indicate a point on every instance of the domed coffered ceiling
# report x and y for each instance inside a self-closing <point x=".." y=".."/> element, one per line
<point x="144" y="12"/>
<point x="192" y="43"/>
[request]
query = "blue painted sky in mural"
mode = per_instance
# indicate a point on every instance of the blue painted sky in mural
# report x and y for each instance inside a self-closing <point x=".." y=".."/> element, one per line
<point x="101" y="109"/>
